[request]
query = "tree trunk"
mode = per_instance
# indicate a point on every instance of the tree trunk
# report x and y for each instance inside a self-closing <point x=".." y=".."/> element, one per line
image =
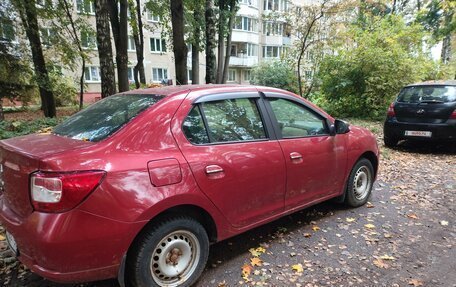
<point x="228" y="41"/>
<point x="179" y="47"/>
<point x="28" y="14"/>
<point x="119" y="25"/>
<point x="108" y="80"/>
<point x="445" y="56"/>
<point x="221" y="40"/>
<point x="2" y="115"/>
<point x="138" y="36"/>
<point x="210" y="42"/>
<point x="196" y="47"/>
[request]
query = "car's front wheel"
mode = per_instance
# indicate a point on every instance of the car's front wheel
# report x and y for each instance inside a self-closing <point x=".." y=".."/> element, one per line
<point x="173" y="253"/>
<point x="360" y="183"/>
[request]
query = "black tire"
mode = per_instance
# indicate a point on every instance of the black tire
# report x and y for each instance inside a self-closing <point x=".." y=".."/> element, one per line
<point x="151" y="261"/>
<point x="390" y="142"/>
<point x="360" y="183"/>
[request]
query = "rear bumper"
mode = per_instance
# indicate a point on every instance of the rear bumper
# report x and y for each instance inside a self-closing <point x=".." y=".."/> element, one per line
<point x="70" y="247"/>
<point x="396" y="130"/>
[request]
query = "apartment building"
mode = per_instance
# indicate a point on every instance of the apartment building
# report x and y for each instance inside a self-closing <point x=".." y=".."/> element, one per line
<point x="256" y="38"/>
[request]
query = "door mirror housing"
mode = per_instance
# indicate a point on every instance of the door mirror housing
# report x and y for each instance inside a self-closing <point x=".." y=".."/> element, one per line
<point x="340" y="127"/>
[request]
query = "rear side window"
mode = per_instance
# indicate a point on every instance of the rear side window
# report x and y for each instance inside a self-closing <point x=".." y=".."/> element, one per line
<point x="296" y="120"/>
<point x="420" y="94"/>
<point x="225" y="121"/>
<point x="103" y="118"/>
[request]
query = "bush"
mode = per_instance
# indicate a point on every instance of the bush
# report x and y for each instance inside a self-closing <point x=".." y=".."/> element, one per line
<point x="9" y="129"/>
<point x="277" y="74"/>
<point x="363" y="77"/>
<point x="64" y="89"/>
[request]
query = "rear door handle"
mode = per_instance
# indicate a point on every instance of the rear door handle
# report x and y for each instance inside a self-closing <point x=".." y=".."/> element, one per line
<point x="211" y="169"/>
<point x="295" y="155"/>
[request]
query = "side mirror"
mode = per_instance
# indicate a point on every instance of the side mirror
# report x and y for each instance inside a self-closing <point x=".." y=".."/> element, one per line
<point x="341" y="127"/>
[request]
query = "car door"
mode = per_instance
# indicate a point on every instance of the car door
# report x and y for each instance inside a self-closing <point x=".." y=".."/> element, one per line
<point x="235" y="159"/>
<point x="315" y="160"/>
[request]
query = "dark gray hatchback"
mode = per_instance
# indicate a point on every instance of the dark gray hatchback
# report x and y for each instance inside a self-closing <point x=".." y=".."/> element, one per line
<point x="422" y="111"/>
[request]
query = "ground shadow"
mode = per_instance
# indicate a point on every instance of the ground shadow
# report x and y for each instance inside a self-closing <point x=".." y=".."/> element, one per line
<point x="428" y="147"/>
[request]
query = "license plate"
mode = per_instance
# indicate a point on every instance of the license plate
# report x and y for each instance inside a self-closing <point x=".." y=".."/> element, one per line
<point x="426" y="134"/>
<point x="11" y="242"/>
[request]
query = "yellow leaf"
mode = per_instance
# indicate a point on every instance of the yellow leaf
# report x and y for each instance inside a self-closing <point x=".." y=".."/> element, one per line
<point x="315" y="228"/>
<point x="369" y="226"/>
<point x="246" y="270"/>
<point x="261" y="249"/>
<point x="387" y="257"/>
<point x="412" y="216"/>
<point x="255" y="261"/>
<point x="254" y="252"/>
<point x="2" y="237"/>
<point x="297" y="267"/>
<point x="381" y="264"/>
<point x="415" y="282"/>
<point x="307" y="235"/>
<point x="350" y="219"/>
<point x="370" y="205"/>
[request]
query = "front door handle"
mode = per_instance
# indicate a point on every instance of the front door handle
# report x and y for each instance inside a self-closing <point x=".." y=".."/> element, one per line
<point x="295" y="155"/>
<point x="211" y="169"/>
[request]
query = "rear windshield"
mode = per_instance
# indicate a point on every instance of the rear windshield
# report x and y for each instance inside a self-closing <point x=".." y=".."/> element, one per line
<point x="103" y="118"/>
<point x="420" y="94"/>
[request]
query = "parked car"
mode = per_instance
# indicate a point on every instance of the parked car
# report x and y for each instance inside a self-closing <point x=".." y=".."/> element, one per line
<point x="139" y="184"/>
<point x="425" y="111"/>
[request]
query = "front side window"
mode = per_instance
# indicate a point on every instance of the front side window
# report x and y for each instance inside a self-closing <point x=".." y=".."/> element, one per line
<point x="295" y="120"/>
<point x="103" y="118"/>
<point x="230" y="120"/>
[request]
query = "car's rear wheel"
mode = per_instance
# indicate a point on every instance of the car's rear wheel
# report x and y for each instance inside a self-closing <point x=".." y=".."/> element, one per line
<point x="390" y="141"/>
<point x="360" y="183"/>
<point x="173" y="253"/>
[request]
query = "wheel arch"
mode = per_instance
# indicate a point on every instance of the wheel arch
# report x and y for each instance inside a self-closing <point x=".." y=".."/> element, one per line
<point x="372" y="157"/>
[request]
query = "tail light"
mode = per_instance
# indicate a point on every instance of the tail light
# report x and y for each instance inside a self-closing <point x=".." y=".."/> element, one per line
<point x="59" y="192"/>
<point x="391" y="112"/>
<point x="453" y="115"/>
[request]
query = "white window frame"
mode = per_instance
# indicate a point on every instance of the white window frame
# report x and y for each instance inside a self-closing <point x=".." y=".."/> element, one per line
<point x="91" y="39"/>
<point x="81" y="4"/>
<point x="246" y="24"/>
<point x="152" y="18"/>
<point x="131" y="44"/>
<point x="158" y="43"/>
<point x="189" y="75"/>
<point x="247" y="75"/>
<point x="92" y="70"/>
<point x="159" y="74"/>
<point x="277" y="5"/>
<point x="131" y="74"/>
<point x="231" y="75"/>
<point x="46" y="40"/>
<point x="279" y="51"/>
<point x="252" y="50"/>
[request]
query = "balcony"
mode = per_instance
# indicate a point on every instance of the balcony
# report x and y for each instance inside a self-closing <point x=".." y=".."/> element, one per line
<point x="242" y="60"/>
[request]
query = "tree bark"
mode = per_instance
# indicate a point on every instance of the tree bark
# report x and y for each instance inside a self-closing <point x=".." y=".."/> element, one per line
<point x="445" y="55"/>
<point x="228" y="41"/>
<point x="138" y="36"/>
<point x="196" y="47"/>
<point x="221" y="40"/>
<point x="28" y="14"/>
<point x="179" y="47"/>
<point x="2" y="115"/>
<point x="119" y="25"/>
<point x="210" y="42"/>
<point x="108" y="79"/>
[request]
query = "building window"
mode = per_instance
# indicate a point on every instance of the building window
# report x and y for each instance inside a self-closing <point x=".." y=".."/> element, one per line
<point x="272" y="28"/>
<point x="131" y="78"/>
<point x="88" y="40"/>
<point x="252" y="50"/>
<point x="275" y="5"/>
<point x="247" y="75"/>
<point x="308" y="74"/>
<point x="157" y="45"/>
<point x="85" y="7"/>
<point x="159" y="74"/>
<point x="245" y="24"/>
<point x="92" y="74"/>
<point x="7" y="31"/>
<point x="131" y="44"/>
<point x="152" y="18"/>
<point x="189" y="75"/>
<point x="253" y="3"/>
<point x="47" y="36"/>
<point x="231" y="75"/>
<point x="272" y="51"/>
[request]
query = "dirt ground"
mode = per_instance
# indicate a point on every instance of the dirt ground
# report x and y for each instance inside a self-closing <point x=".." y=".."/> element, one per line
<point x="405" y="235"/>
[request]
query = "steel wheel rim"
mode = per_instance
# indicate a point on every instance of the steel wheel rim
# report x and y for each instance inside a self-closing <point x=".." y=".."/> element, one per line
<point x="175" y="258"/>
<point x="362" y="183"/>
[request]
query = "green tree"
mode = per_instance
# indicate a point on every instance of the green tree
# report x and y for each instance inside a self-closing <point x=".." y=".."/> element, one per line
<point x="277" y="74"/>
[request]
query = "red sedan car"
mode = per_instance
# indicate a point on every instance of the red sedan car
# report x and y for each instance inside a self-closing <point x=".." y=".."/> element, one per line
<point x="139" y="184"/>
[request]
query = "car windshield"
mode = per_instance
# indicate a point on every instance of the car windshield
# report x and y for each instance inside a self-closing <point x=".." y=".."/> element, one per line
<point x="420" y="94"/>
<point x="103" y="118"/>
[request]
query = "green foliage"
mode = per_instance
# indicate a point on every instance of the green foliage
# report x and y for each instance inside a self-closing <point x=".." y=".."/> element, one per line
<point x="362" y="78"/>
<point x="9" y="129"/>
<point x="64" y="89"/>
<point x="277" y="74"/>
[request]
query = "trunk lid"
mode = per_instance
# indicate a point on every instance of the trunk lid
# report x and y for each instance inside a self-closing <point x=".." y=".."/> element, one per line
<point x="21" y="156"/>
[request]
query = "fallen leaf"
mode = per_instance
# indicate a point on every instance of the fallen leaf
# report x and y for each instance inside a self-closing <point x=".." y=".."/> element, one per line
<point x="260" y="249"/>
<point x="387" y="235"/>
<point x="246" y="270"/>
<point x="2" y="237"/>
<point x="369" y="205"/>
<point x="350" y="219"/>
<point x="381" y="264"/>
<point x="222" y="284"/>
<point x="412" y="215"/>
<point x="307" y="235"/>
<point x="255" y="261"/>
<point x="315" y="228"/>
<point x="298" y="268"/>
<point x="444" y="223"/>
<point x="369" y="226"/>
<point x="415" y="282"/>
<point x="254" y="252"/>
<point x="387" y="257"/>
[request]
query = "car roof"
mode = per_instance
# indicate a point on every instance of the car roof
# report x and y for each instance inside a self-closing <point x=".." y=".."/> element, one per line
<point x="171" y="90"/>
<point x="434" y="83"/>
